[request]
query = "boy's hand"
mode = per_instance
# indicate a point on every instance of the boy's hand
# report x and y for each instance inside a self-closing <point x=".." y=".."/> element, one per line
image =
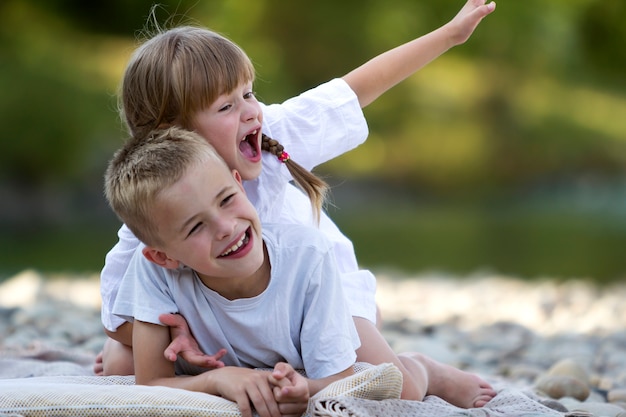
<point x="249" y="388"/>
<point x="291" y="390"/>
<point x="468" y="18"/>
<point x="184" y="344"/>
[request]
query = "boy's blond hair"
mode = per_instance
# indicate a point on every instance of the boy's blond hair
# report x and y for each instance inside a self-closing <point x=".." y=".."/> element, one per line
<point x="144" y="167"/>
<point x="183" y="70"/>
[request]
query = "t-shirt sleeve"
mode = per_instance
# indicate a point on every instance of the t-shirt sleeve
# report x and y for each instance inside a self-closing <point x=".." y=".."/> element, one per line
<point x="319" y="124"/>
<point x="328" y="338"/>
<point x="144" y="293"/>
<point x="115" y="265"/>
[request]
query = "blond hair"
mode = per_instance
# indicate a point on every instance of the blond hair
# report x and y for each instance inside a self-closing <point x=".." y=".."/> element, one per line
<point x="142" y="168"/>
<point x="181" y="71"/>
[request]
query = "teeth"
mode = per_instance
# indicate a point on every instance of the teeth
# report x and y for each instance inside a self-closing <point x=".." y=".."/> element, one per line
<point x="253" y="133"/>
<point x="235" y="246"/>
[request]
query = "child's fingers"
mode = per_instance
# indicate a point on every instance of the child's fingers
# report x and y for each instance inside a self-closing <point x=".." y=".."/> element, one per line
<point x="280" y="374"/>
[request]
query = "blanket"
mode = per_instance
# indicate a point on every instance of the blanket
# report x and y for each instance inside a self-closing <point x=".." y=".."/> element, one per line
<point x="51" y="383"/>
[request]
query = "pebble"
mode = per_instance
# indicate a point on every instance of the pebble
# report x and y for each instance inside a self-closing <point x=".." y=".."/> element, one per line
<point x="564" y="340"/>
<point x="559" y="386"/>
<point x="617" y="395"/>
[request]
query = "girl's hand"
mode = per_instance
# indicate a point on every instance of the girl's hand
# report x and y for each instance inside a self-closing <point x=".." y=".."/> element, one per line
<point x="247" y="387"/>
<point x="291" y="390"/>
<point x="465" y="22"/>
<point x="184" y="344"/>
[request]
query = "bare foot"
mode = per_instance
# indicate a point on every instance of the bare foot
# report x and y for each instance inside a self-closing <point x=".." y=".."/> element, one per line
<point x="459" y="388"/>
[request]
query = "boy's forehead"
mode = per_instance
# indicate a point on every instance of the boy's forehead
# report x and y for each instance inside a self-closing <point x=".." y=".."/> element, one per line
<point x="202" y="183"/>
<point x="208" y="174"/>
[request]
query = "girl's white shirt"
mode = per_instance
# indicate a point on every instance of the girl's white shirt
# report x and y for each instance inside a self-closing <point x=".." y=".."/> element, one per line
<point x="314" y="127"/>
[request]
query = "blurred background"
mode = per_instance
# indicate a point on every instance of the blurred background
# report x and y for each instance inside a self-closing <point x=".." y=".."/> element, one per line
<point x="507" y="154"/>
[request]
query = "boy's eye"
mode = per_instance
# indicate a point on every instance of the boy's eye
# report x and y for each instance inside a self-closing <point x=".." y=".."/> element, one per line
<point x="249" y="94"/>
<point x="224" y="108"/>
<point x="194" y="229"/>
<point x="228" y="199"/>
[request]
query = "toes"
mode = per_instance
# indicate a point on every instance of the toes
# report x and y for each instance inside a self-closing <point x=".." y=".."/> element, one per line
<point x="484" y="398"/>
<point x="482" y="401"/>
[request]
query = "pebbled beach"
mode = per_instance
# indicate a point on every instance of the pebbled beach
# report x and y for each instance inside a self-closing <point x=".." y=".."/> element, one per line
<point x="565" y="341"/>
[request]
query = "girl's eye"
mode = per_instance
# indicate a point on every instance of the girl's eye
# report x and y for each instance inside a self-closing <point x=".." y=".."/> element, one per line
<point x="224" y="108"/>
<point x="249" y="95"/>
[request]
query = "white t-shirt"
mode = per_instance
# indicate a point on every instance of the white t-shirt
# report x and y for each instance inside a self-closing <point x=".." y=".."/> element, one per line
<point x="314" y="127"/>
<point x="300" y="318"/>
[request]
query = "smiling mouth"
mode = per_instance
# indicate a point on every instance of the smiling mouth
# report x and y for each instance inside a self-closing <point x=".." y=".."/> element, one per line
<point x="248" y="146"/>
<point x="245" y="238"/>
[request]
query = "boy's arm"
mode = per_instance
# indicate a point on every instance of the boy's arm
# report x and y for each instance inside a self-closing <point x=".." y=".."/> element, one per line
<point x="316" y="385"/>
<point x="123" y="334"/>
<point x="246" y="387"/>
<point x="372" y="79"/>
<point x="149" y="343"/>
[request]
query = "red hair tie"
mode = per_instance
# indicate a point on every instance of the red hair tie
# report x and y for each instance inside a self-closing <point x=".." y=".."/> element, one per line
<point x="283" y="157"/>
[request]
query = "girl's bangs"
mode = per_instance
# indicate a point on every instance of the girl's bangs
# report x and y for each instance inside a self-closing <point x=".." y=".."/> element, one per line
<point x="215" y="74"/>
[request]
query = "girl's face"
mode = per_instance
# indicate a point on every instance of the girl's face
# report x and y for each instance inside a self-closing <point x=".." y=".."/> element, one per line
<point x="209" y="224"/>
<point x="232" y="124"/>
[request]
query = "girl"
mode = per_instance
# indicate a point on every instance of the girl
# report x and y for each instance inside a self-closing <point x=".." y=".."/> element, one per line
<point x="196" y="79"/>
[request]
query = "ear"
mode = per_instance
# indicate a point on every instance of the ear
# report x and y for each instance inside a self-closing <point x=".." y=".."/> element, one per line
<point x="237" y="177"/>
<point x="159" y="257"/>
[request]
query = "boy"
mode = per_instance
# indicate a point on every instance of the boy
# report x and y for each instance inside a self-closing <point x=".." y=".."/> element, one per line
<point x="272" y="298"/>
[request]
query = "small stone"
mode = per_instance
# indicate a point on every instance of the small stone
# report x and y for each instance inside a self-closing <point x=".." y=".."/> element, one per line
<point x="602" y="382"/>
<point x="570" y="403"/>
<point x="570" y="367"/>
<point x="600" y="409"/>
<point x="559" y="386"/>
<point x="616" y="395"/>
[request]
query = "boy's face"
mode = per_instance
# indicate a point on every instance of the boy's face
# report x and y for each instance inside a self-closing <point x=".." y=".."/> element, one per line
<point x="208" y="223"/>
<point x="232" y="124"/>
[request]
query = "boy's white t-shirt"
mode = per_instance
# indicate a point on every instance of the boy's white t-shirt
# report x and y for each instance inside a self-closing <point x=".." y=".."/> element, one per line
<point x="314" y="127"/>
<point x="300" y="318"/>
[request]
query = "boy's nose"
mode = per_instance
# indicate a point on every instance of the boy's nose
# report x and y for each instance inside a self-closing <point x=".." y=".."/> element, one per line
<point x="224" y="228"/>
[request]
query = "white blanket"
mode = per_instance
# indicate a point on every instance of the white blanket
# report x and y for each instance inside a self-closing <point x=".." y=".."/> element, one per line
<point x="50" y="383"/>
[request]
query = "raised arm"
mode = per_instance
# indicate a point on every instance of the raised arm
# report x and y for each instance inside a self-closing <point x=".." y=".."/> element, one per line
<point x="372" y="79"/>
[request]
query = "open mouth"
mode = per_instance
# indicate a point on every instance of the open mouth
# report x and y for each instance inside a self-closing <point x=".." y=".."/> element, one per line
<point x="249" y="146"/>
<point x="238" y="246"/>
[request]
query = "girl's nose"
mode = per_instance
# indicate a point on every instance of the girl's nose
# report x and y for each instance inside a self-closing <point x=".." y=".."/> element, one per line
<point x="250" y="111"/>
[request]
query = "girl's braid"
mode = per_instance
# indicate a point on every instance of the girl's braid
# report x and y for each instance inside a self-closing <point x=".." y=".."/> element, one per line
<point x="311" y="184"/>
<point x="271" y="145"/>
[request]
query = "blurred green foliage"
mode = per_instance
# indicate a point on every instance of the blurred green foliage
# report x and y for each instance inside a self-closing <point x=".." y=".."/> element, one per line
<point x="535" y="99"/>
